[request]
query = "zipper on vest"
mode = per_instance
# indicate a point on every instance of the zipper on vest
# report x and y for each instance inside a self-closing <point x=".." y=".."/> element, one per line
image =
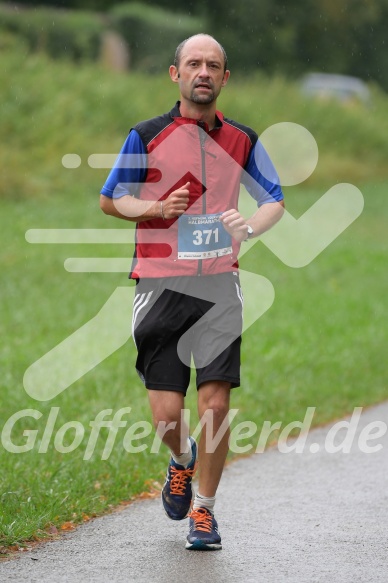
<point x="202" y="139"/>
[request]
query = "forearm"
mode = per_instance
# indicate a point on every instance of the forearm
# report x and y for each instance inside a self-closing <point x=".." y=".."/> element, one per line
<point x="265" y="217"/>
<point x="134" y="209"/>
<point x="130" y="208"/>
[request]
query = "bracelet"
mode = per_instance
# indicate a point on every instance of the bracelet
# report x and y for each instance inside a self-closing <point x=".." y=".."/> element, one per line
<point x="161" y="210"/>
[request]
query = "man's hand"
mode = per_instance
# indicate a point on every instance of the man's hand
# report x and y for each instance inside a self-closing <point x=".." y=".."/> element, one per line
<point x="263" y="219"/>
<point x="235" y="224"/>
<point x="176" y="203"/>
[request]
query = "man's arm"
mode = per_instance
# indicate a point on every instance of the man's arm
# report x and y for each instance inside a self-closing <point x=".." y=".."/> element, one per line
<point x="120" y="193"/>
<point x="264" y="186"/>
<point x="263" y="219"/>
<point x="129" y="208"/>
<point x="133" y="209"/>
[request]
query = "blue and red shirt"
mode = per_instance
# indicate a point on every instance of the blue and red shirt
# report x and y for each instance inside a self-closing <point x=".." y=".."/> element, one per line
<point x="161" y="155"/>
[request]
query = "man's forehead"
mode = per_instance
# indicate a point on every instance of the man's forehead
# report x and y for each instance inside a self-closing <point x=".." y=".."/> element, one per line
<point x="199" y="47"/>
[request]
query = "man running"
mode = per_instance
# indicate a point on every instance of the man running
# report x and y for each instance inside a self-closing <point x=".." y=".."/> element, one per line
<point x="182" y="191"/>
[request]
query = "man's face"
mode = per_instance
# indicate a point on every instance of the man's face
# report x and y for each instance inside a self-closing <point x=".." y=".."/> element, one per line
<point x="201" y="71"/>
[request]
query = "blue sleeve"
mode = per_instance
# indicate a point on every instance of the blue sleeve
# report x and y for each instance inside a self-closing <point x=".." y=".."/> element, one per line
<point x="129" y="170"/>
<point x="261" y="179"/>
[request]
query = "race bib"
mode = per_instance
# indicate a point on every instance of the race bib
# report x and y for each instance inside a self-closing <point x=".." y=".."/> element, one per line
<point x="202" y="237"/>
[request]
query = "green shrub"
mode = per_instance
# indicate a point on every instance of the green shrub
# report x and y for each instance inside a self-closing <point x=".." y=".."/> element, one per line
<point x="60" y="33"/>
<point x="152" y="33"/>
<point x="10" y="41"/>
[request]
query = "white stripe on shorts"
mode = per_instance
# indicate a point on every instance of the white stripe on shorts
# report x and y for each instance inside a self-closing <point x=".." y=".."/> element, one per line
<point x="239" y="294"/>
<point x="139" y="303"/>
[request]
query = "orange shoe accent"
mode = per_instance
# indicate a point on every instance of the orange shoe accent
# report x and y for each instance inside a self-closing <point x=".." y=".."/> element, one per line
<point x="202" y="519"/>
<point x="179" y="479"/>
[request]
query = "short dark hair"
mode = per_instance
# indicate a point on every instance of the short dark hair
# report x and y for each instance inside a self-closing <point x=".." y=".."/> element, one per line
<point x="179" y="49"/>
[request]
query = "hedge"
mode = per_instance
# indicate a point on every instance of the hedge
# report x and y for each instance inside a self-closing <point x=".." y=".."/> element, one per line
<point x="60" y="33"/>
<point x="152" y="33"/>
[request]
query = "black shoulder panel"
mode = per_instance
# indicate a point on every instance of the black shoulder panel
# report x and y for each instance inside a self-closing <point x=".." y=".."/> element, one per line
<point x="252" y="135"/>
<point x="150" y="128"/>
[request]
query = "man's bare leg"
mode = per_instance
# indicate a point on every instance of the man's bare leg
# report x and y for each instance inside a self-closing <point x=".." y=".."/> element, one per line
<point x="166" y="407"/>
<point x="213" y="408"/>
<point x="213" y="401"/>
<point x="177" y="493"/>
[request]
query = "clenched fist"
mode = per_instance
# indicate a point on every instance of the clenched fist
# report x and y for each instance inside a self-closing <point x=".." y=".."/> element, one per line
<point x="177" y="202"/>
<point x="235" y="224"/>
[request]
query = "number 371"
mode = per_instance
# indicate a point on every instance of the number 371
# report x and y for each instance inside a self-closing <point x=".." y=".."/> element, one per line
<point x="205" y="236"/>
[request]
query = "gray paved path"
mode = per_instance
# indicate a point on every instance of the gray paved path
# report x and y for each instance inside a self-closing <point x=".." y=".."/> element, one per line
<point x="311" y="517"/>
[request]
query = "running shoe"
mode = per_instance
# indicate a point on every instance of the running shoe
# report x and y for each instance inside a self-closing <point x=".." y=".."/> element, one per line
<point x="178" y="493"/>
<point x="203" y="531"/>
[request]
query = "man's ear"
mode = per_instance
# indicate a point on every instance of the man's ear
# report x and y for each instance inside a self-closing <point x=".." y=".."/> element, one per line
<point x="174" y="73"/>
<point x="225" y="79"/>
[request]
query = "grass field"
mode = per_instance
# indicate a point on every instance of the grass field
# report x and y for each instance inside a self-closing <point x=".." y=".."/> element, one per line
<point x="322" y="344"/>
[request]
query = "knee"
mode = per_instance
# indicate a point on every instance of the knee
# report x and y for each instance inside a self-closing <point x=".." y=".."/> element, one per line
<point x="218" y="409"/>
<point x="215" y="404"/>
<point x="166" y="411"/>
<point x="163" y="420"/>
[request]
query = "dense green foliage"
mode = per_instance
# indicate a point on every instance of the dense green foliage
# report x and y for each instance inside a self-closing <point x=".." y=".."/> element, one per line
<point x="147" y="29"/>
<point x="274" y="35"/>
<point x="299" y="35"/>
<point x="75" y="35"/>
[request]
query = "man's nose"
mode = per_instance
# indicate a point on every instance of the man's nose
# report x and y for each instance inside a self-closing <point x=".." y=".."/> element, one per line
<point x="204" y="71"/>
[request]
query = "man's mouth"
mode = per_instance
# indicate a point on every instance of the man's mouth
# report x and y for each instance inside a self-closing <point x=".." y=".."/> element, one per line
<point x="202" y="86"/>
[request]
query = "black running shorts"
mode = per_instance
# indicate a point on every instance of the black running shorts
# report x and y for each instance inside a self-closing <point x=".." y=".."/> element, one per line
<point x="180" y="320"/>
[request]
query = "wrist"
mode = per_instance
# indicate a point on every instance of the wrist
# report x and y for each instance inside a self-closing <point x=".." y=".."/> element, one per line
<point x="249" y="233"/>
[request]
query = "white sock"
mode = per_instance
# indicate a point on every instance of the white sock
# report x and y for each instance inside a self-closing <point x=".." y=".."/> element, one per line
<point x="204" y="502"/>
<point x="184" y="458"/>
